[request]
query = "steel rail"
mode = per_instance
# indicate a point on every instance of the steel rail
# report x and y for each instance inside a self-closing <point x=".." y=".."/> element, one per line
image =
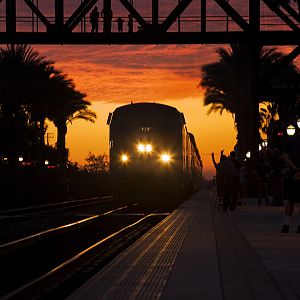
<point x="36" y="207"/>
<point x="31" y="239"/>
<point x="67" y="268"/>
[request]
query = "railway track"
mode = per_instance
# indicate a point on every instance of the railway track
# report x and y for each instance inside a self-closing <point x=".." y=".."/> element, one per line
<point x="30" y="271"/>
<point x="20" y="223"/>
<point x="52" y="207"/>
<point x="39" y="236"/>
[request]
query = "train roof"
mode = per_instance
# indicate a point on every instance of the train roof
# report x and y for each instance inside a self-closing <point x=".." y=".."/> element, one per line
<point x="146" y="110"/>
<point x="146" y="105"/>
<point x="193" y="141"/>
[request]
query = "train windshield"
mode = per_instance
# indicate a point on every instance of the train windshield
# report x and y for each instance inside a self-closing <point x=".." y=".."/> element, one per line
<point x="148" y="126"/>
<point x="146" y="120"/>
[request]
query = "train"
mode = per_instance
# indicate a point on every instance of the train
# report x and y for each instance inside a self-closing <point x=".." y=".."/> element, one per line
<point x="153" y="157"/>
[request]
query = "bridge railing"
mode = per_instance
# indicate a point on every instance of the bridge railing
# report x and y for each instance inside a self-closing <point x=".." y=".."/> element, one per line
<point x="214" y="23"/>
<point x="190" y="20"/>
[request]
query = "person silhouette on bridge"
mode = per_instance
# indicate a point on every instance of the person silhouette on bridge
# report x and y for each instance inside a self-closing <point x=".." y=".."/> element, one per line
<point x="94" y="19"/>
<point x="130" y="23"/>
<point x="107" y="16"/>
<point x="120" y="22"/>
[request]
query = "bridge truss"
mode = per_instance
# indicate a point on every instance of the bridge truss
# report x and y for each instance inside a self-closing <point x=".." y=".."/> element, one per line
<point x="269" y="22"/>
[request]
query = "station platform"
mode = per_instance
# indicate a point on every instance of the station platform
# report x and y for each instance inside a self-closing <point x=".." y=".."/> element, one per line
<point x="198" y="252"/>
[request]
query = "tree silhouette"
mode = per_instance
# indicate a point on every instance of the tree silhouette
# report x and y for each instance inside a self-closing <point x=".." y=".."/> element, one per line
<point x="67" y="106"/>
<point x="21" y="71"/>
<point x="31" y="90"/>
<point x="227" y="86"/>
<point x="97" y="163"/>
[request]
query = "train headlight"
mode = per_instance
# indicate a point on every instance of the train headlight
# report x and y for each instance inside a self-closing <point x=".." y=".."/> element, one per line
<point x="141" y="148"/>
<point x="165" y="158"/>
<point x="124" y="158"/>
<point x="148" y="148"/>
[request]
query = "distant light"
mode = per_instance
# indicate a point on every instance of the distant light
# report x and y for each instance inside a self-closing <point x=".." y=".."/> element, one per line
<point x="298" y="123"/>
<point x="265" y="144"/>
<point x="5" y="158"/>
<point x="141" y="148"/>
<point x="259" y="147"/>
<point x="148" y="148"/>
<point x="46" y="162"/>
<point x="21" y="158"/>
<point x="290" y="130"/>
<point x="280" y="133"/>
<point x="248" y="154"/>
<point x="165" y="158"/>
<point x="124" y="158"/>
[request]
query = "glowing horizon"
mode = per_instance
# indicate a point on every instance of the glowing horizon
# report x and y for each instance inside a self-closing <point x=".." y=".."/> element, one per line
<point x="163" y="74"/>
<point x="116" y="75"/>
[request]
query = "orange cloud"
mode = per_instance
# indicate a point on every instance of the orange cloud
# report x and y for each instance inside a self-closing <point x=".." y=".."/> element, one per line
<point x="115" y="75"/>
<point x="133" y="73"/>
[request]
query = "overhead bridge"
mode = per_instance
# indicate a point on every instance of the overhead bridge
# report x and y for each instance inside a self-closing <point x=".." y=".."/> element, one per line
<point x="266" y="22"/>
<point x="255" y="22"/>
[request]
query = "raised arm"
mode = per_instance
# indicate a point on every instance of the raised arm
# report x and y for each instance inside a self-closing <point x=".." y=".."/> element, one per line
<point x="213" y="159"/>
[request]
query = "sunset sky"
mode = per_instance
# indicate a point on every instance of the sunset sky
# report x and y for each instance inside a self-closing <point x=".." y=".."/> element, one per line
<point x="112" y="76"/>
<point x="116" y="75"/>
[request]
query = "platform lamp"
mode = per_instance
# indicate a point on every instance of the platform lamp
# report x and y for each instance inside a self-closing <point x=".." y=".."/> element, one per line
<point x="290" y="130"/>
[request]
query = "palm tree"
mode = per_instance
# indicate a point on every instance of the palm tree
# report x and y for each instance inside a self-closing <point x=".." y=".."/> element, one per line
<point x="31" y="90"/>
<point x="227" y="84"/>
<point x="23" y="73"/>
<point x="67" y="106"/>
<point x="40" y="104"/>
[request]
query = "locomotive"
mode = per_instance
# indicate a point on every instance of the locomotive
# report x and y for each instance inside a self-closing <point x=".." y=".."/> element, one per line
<point x="153" y="158"/>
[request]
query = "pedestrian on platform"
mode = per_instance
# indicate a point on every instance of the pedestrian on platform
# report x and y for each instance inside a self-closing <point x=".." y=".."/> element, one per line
<point x="238" y="166"/>
<point x="94" y="19"/>
<point x="231" y="184"/>
<point x="291" y="156"/>
<point x="235" y="161"/>
<point x="219" y="180"/>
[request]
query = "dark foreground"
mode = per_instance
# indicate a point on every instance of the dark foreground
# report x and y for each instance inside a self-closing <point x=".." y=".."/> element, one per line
<point x="206" y="254"/>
